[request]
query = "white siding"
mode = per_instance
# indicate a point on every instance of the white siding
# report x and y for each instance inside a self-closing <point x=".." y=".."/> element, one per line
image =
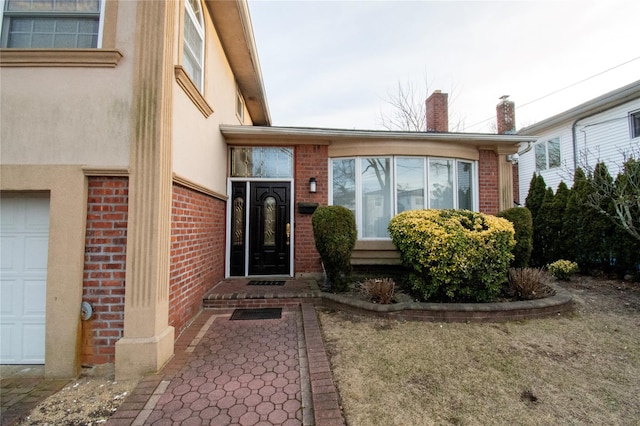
<point x="602" y="137"/>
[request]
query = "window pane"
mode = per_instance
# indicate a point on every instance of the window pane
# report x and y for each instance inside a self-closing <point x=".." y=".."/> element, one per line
<point x="262" y="162"/>
<point x="541" y="157"/>
<point x="344" y="183"/>
<point x="465" y="186"/>
<point x="376" y="197"/>
<point x="440" y="184"/>
<point x="409" y="184"/>
<point x="635" y="125"/>
<point x="553" y="149"/>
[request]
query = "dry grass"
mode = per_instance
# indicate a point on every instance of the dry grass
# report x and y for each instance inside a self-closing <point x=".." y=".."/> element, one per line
<point x="577" y="369"/>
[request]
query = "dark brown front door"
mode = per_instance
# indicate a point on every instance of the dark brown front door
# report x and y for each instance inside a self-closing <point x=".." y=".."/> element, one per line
<point x="269" y="228"/>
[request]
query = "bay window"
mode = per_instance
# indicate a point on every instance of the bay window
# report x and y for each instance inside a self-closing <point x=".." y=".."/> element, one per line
<point x="377" y="188"/>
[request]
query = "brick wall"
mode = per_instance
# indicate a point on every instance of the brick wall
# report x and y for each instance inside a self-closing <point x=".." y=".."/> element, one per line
<point x="310" y="161"/>
<point x="488" y="180"/>
<point x="104" y="267"/>
<point x="197" y="252"/>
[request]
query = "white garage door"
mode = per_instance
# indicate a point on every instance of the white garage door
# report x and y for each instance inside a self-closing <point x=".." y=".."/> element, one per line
<point x="24" y="237"/>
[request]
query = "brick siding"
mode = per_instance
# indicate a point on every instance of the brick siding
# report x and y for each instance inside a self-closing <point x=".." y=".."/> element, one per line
<point x="104" y="267"/>
<point x="310" y="161"/>
<point x="197" y="252"/>
<point x="488" y="192"/>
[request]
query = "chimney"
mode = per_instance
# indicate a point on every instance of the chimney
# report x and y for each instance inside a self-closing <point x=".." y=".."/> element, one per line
<point x="438" y="112"/>
<point x="506" y="116"/>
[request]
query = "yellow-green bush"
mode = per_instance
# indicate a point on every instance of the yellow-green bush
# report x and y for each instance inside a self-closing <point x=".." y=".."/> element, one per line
<point x="455" y="255"/>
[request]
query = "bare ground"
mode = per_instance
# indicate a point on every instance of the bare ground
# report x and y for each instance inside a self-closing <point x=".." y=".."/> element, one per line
<point x="89" y="400"/>
<point x="581" y="368"/>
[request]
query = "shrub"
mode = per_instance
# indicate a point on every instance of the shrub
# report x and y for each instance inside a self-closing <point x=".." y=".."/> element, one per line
<point x="454" y="254"/>
<point x="522" y="222"/>
<point x="334" y="231"/>
<point x="528" y="283"/>
<point x="379" y="290"/>
<point x="563" y="269"/>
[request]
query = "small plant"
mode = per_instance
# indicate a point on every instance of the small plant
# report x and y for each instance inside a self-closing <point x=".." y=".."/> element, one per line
<point x="380" y="290"/>
<point x="563" y="269"/>
<point x="528" y="283"/>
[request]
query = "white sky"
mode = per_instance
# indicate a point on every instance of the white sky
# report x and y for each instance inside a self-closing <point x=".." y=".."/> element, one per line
<point x="333" y="63"/>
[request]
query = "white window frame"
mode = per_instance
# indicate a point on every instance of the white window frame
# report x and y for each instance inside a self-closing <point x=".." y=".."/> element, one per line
<point x="54" y="14"/>
<point x="199" y="26"/>
<point x="545" y="143"/>
<point x="394" y="196"/>
<point x="239" y="105"/>
<point x="633" y="116"/>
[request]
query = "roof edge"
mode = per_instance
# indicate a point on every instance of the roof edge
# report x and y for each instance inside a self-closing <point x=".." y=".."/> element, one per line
<point x="237" y="132"/>
<point x="594" y="106"/>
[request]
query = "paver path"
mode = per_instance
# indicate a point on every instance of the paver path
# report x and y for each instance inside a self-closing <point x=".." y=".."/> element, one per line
<point x="238" y="373"/>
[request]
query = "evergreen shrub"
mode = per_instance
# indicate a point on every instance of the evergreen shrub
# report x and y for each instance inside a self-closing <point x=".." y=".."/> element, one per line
<point x="522" y="222"/>
<point x="335" y="233"/>
<point x="454" y="255"/>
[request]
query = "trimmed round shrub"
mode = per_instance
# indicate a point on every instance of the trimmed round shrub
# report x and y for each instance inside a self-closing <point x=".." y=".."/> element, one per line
<point x="563" y="269"/>
<point x="334" y="230"/>
<point x="454" y="255"/>
<point x="522" y="222"/>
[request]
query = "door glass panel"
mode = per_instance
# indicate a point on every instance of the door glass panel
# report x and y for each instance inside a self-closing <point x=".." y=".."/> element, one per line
<point x="270" y="221"/>
<point x="237" y="225"/>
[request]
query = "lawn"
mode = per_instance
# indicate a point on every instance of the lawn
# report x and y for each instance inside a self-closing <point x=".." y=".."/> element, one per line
<point x="579" y="368"/>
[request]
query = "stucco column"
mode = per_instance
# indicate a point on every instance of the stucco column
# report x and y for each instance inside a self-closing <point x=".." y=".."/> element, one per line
<point x="148" y="340"/>
<point x="505" y="178"/>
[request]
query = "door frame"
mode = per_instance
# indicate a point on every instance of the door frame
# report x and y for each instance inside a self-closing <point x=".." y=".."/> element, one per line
<point x="247" y="211"/>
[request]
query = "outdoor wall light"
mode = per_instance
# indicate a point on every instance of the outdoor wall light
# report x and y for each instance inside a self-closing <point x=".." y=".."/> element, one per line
<point x="312" y="184"/>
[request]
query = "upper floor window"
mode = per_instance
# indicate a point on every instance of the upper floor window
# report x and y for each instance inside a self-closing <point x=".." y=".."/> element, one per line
<point x="548" y="154"/>
<point x="377" y="188"/>
<point x="193" y="57"/>
<point x="634" y="124"/>
<point x="48" y="24"/>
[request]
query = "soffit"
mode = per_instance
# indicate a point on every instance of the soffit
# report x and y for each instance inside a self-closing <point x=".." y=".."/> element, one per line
<point x="233" y="25"/>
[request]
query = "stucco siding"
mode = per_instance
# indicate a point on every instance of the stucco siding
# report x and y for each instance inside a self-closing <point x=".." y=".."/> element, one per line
<point x="70" y="115"/>
<point x="199" y="149"/>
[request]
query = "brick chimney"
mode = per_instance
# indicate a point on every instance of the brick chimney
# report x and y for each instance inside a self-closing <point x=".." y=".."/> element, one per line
<point x="438" y="112"/>
<point x="506" y="116"/>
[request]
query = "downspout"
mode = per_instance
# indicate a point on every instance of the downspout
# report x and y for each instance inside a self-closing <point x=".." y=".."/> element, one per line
<point x="575" y="139"/>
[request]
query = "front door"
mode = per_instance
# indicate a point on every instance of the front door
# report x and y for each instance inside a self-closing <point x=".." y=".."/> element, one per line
<point x="269" y="228"/>
<point x="266" y="248"/>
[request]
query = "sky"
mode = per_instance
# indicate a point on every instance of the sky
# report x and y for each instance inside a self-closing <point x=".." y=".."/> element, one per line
<point x="335" y="64"/>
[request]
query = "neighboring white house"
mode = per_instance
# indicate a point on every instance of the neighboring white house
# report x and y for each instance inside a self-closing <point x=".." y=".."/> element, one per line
<point x="606" y="128"/>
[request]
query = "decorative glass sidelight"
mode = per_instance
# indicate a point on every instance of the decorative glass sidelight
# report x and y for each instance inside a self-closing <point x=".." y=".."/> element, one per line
<point x="237" y="228"/>
<point x="270" y="221"/>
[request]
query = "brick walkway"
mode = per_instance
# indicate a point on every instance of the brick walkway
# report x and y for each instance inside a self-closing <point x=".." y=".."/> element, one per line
<point x="248" y="372"/>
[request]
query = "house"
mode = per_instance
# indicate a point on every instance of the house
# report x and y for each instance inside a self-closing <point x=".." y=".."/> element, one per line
<point x="605" y="129"/>
<point x="139" y="168"/>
